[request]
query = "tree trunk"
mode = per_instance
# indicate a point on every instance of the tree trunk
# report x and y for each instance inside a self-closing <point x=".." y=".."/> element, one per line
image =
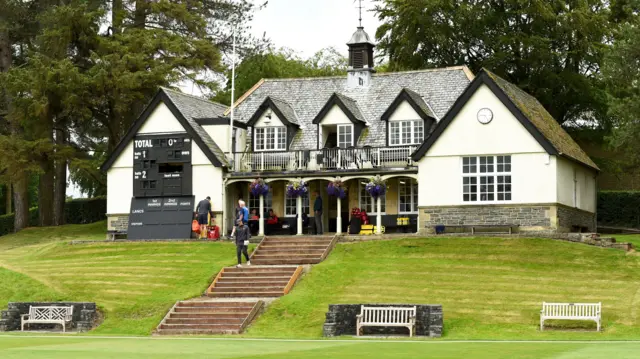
<point x="117" y="13"/>
<point x="60" y="186"/>
<point x="140" y="15"/>
<point x="9" y="199"/>
<point x="21" y="201"/>
<point x="45" y="193"/>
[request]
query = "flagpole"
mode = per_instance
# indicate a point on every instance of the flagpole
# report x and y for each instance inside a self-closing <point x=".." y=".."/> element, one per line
<point x="233" y="88"/>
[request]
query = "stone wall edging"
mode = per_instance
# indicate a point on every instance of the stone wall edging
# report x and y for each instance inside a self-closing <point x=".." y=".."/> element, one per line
<point x="84" y="319"/>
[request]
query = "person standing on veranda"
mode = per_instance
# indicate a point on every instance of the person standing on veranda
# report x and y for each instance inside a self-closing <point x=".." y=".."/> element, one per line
<point x="317" y="210"/>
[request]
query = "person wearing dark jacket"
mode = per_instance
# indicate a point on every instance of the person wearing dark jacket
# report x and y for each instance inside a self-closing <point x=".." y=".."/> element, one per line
<point x="317" y="211"/>
<point x="243" y="234"/>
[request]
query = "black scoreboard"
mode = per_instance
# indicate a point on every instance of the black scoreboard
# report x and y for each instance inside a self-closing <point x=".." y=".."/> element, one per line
<point x="161" y="218"/>
<point x="162" y="166"/>
<point x="163" y="202"/>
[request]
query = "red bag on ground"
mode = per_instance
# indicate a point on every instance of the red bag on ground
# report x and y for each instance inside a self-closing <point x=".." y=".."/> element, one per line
<point x="214" y="233"/>
<point x="195" y="226"/>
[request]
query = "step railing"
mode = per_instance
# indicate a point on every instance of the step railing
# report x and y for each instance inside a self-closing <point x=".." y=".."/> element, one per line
<point x="324" y="159"/>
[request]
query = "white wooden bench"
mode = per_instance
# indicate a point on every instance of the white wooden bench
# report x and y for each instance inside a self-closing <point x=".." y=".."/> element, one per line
<point x="387" y="317"/>
<point x="570" y="311"/>
<point x="48" y="315"/>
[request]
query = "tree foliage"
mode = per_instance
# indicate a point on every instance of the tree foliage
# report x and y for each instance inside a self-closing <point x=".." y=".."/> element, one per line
<point x="622" y="75"/>
<point x="551" y="49"/>
<point x="281" y="64"/>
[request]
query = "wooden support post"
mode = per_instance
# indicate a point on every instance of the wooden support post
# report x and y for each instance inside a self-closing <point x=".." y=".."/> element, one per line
<point x="339" y="218"/>
<point x="299" y="213"/>
<point x="261" y="217"/>
<point x="379" y="216"/>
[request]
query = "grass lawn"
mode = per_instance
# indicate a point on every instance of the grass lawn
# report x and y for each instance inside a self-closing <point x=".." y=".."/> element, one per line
<point x="99" y="348"/>
<point x="631" y="238"/>
<point x="489" y="288"/>
<point x="134" y="284"/>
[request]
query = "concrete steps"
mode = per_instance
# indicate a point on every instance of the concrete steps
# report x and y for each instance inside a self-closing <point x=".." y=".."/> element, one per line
<point x="203" y="317"/>
<point x="292" y="250"/>
<point x="254" y="282"/>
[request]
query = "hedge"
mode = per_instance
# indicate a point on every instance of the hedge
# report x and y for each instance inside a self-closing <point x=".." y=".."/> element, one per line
<point x="619" y="208"/>
<point x="76" y="211"/>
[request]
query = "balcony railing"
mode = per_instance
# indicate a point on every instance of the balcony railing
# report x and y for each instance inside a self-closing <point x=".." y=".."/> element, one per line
<point x="325" y="159"/>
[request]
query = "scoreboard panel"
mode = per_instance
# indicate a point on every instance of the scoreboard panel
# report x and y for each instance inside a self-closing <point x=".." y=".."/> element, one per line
<point x="162" y="165"/>
<point x="161" y="218"/>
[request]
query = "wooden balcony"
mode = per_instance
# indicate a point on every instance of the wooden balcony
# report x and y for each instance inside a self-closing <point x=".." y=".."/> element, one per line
<point x="331" y="159"/>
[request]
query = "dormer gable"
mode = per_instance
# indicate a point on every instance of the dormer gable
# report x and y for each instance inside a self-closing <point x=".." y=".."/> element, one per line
<point x="273" y="124"/>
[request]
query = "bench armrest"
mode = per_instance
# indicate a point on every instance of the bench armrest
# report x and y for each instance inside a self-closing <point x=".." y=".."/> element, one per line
<point x="24" y="316"/>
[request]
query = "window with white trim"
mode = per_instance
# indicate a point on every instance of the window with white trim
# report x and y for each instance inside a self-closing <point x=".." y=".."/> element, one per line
<point x="345" y="136"/>
<point x="486" y="178"/>
<point x="254" y="203"/>
<point x="270" y="138"/>
<point x="369" y="204"/>
<point x="290" y="205"/>
<point x="406" y="132"/>
<point x="407" y="195"/>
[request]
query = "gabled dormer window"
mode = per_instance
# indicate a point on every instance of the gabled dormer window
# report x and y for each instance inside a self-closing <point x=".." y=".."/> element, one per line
<point x="270" y="138"/>
<point x="409" y="132"/>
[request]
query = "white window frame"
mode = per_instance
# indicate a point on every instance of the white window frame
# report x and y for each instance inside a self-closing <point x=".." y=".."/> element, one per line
<point x="349" y="126"/>
<point x="374" y="204"/>
<point x="401" y="125"/>
<point x="477" y="175"/>
<point x="305" y="204"/>
<point x="413" y="189"/>
<point x="254" y="203"/>
<point x="279" y="132"/>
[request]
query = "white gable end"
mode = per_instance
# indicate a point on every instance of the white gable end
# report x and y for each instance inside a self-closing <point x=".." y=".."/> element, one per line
<point x="404" y="112"/>
<point x="335" y="116"/>
<point x="465" y="135"/>
<point x="274" y="121"/>
<point x="161" y="120"/>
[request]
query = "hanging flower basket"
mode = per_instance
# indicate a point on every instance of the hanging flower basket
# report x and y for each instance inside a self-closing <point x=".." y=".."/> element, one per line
<point x="376" y="187"/>
<point x="259" y="188"/>
<point x="297" y="189"/>
<point x="337" y="189"/>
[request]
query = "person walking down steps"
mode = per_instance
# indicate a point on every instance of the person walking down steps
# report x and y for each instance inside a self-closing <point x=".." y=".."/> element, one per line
<point x="243" y="234"/>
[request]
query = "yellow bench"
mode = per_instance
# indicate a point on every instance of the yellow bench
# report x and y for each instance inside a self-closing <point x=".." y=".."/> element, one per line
<point x="368" y="229"/>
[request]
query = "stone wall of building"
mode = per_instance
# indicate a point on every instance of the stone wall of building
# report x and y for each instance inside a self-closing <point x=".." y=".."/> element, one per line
<point x="575" y="220"/>
<point x="341" y="320"/>
<point x="528" y="217"/>
<point x="117" y="222"/>
<point x="84" y="316"/>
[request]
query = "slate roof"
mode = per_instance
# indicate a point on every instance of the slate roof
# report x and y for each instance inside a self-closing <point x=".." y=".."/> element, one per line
<point x="525" y="108"/>
<point x="421" y="103"/>
<point x="533" y="110"/>
<point x="438" y="87"/>
<point x="352" y="106"/>
<point x="286" y="109"/>
<point x="192" y="108"/>
<point x="186" y="109"/>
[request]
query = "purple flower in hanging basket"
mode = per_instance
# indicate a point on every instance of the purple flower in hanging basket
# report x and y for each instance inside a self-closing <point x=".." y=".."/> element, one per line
<point x="297" y="189"/>
<point x="337" y="189"/>
<point x="376" y="187"/>
<point x="258" y="188"/>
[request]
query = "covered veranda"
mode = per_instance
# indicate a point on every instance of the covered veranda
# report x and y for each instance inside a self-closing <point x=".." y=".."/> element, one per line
<point x="399" y="201"/>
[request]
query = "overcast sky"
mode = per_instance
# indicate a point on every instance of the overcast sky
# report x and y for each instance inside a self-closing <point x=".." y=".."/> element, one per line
<point x="307" y="26"/>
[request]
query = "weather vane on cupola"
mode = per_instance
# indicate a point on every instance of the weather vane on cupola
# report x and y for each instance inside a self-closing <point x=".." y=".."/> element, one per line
<point x="359" y="12"/>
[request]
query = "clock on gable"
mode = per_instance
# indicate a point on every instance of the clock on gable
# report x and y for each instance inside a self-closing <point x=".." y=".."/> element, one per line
<point x="485" y="116"/>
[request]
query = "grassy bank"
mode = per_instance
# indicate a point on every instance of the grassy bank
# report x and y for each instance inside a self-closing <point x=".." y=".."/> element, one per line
<point x="489" y="288"/>
<point x="133" y="283"/>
